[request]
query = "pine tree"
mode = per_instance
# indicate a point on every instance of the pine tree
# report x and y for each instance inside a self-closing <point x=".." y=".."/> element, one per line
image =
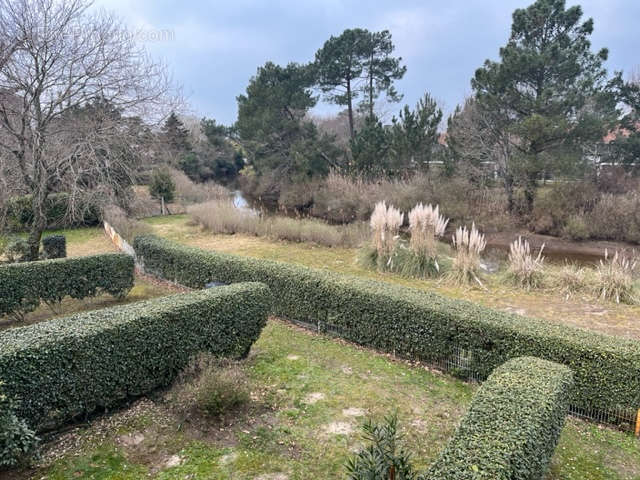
<point x="550" y="87"/>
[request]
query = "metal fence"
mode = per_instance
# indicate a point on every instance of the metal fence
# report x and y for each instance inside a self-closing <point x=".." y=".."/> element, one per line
<point x="461" y="364"/>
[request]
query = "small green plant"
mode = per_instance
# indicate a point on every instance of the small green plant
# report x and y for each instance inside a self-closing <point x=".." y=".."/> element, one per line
<point x="18" y="443"/>
<point x="383" y="458"/>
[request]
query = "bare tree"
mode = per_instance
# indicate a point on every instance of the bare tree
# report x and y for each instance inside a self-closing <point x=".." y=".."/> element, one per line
<point x="71" y="85"/>
<point x="478" y="140"/>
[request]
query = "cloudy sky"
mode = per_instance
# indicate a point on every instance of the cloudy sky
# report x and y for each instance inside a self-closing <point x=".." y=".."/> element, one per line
<point x="213" y="46"/>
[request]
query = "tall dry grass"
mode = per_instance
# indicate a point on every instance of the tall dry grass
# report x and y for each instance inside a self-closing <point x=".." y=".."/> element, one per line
<point x="469" y="244"/>
<point x="525" y="269"/>
<point x="385" y="225"/>
<point x="426" y="224"/>
<point x="223" y="217"/>
<point x="615" y="275"/>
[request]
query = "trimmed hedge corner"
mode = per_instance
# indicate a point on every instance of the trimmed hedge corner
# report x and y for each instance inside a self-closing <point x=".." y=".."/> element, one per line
<point x="414" y="323"/>
<point x="68" y="367"/>
<point x="54" y="246"/>
<point x="24" y="285"/>
<point x="513" y="424"/>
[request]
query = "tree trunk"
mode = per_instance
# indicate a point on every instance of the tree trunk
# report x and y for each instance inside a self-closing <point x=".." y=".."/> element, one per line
<point x="350" y="108"/>
<point x="35" y="235"/>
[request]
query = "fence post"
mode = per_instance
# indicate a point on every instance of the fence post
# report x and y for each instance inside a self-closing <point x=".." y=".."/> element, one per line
<point x="638" y="423"/>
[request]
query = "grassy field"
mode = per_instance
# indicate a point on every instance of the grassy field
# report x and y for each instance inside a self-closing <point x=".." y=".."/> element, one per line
<point x="309" y="395"/>
<point x="606" y="317"/>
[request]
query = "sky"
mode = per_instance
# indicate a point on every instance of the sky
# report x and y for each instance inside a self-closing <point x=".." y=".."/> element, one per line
<point x="213" y="47"/>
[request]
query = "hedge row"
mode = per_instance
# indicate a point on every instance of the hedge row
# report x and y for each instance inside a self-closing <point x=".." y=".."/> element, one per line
<point x="512" y="427"/>
<point x="414" y="323"/>
<point x="68" y="367"/>
<point x="24" y="285"/>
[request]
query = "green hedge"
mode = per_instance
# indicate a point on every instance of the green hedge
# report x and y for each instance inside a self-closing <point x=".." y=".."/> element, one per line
<point x="513" y="424"/>
<point x="24" y="285"/>
<point x="68" y="367"/>
<point x="54" y="246"/>
<point x="414" y="323"/>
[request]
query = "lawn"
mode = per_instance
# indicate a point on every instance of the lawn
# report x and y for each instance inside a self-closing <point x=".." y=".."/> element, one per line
<point x="584" y="312"/>
<point x="309" y="395"/>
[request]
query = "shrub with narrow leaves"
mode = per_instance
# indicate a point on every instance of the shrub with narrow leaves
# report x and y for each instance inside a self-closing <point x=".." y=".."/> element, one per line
<point x="524" y="268"/>
<point x="383" y="457"/>
<point x="385" y="223"/>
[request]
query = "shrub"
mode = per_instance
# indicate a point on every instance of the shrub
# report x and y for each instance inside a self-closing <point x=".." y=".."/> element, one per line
<point x="162" y="186"/>
<point x="17" y="250"/>
<point x="576" y="228"/>
<point x="555" y="205"/>
<point x="615" y="278"/>
<point x="513" y="424"/>
<point x="54" y="246"/>
<point x="426" y="225"/>
<point x="524" y="268"/>
<point x="18" y="443"/>
<point x="469" y="244"/>
<point x="616" y="217"/>
<point x="383" y="458"/>
<point x="24" y="285"/>
<point x="69" y="367"/>
<point x="221" y="387"/>
<point x="414" y="323"/>
<point x="20" y="212"/>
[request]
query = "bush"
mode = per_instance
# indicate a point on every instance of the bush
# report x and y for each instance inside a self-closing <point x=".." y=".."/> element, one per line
<point x="17" y="250"/>
<point x="20" y="213"/>
<point x="616" y="217"/>
<point x="54" y="246"/>
<point x="512" y="427"/>
<point x="383" y="458"/>
<point x="162" y="186"/>
<point x="24" y="285"/>
<point x="576" y="228"/>
<point x="69" y="367"/>
<point x="415" y="323"/>
<point x="221" y="388"/>
<point x="18" y="443"/>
